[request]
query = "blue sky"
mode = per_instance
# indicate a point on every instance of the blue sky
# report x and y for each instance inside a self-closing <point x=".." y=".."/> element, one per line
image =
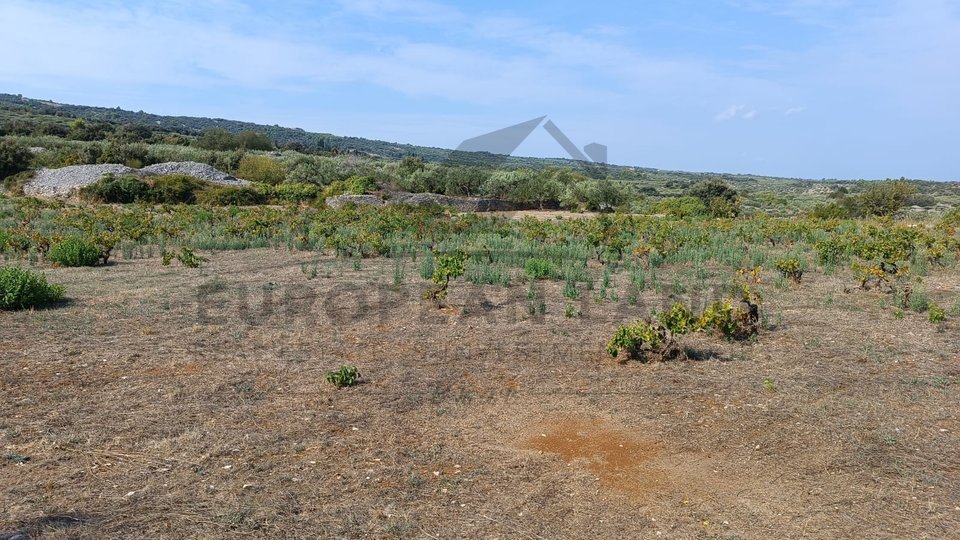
<point x="802" y="88"/>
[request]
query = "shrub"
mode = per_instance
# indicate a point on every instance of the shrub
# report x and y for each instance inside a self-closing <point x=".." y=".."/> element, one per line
<point x="719" y="199"/>
<point x="653" y="339"/>
<point x="74" y="251"/>
<point x="14" y="158"/>
<point x="540" y="269"/>
<point x="217" y="139"/>
<point x="231" y="196"/>
<point x="175" y="189"/>
<point x="186" y="256"/>
<point x="790" y="268"/>
<point x="118" y="190"/>
<point x="21" y="289"/>
<point x="250" y="140"/>
<point x="884" y="198"/>
<point x="261" y="169"/>
<point x="738" y="323"/>
<point x="937" y="314"/>
<point x="680" y="207"/>
<point x="447" y="267"/>
<point x="291" y="192"/>
<point x="679" y="320"/>
<point x="344" y="376"/>
<point x="833" y="249"/>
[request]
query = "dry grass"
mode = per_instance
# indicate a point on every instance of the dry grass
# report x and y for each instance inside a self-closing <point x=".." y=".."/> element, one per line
<point x="137" y="411"/>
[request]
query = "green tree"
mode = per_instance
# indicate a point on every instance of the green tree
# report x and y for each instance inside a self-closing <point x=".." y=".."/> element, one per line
<point x="884" y="198"/>
<point x="720" y="199"/>
<point x="217" y="139"/>
<point x="249" y="140"/>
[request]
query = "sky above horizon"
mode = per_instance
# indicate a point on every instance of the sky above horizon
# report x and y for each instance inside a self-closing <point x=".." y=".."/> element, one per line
<point x="797" y="88"/>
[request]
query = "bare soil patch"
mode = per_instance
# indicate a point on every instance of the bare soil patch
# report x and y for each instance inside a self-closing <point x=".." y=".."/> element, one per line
<point x="165" y="402"/>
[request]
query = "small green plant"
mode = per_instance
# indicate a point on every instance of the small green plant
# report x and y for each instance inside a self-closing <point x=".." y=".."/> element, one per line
<point x="919" y="301"/>
<point x="790" y="268"/>
<point x="937" y="314"/>
<point x="448" y="266"/>
<point x="22" y="289"/>
<point x="309" y="270"/>
<point x="74" y="251"/>
<point x="570" y="311"/>
<point x="570" y="290"/>
<point x="540" y="269"/>
<point x="346" y="375"/>
<point x="769" y="385"/>
<point x="186" y="256"/>
<point x="399" y="272"/>
<point x="898" y="314"/>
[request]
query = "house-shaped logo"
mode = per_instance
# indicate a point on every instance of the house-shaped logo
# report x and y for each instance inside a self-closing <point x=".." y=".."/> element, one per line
<point x="503" y="142"/>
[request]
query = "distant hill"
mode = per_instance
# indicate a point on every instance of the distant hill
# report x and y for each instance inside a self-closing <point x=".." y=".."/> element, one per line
<point x="189" y="125"/>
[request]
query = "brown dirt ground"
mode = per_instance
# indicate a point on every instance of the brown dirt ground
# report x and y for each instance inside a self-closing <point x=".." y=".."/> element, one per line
<point x="164" y="402"/>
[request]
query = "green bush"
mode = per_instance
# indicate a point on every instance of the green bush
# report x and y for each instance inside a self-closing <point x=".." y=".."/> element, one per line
<point x="74" y="251"/>
<point x="790" y="268"/>
<point x="21" y="289"/>
<point x="653" y="339"/>
<point x="14" y="158"/>
<point x="680" y="207"/>
<point x="117" y="190"/>
<point x="176" y="189"/>
<point x="290" y="192"/>
<point x="231" y="196"/>
<point x="187" y="257"/>
<point x="165" y="189"/>
<point x="937" y="314"/>
<point x="447" y="267"/>
<point x="261" y="169"/>
<point x="540" y="269"/>
<point x="731" y="322"/>
<point x="720" y="200"/>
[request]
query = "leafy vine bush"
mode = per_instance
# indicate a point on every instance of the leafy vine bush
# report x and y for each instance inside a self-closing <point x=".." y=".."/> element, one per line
<point x="653" y="338"/>
<point x="790" y="268"/>
<point x="186" y="256"/>
<point x="447" y="267"/>
<point x="22" y="289"/>
<point x="732" y="322"/>
<point x="75" y="251"/>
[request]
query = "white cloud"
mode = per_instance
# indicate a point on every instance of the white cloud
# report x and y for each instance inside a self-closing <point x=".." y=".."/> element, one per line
<point x="794" y="110"/>
<point x="728" y="114"/>
<point x="749" y="115"/>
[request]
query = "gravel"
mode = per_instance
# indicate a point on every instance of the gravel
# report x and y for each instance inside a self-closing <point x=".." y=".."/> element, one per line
<point x="61" y="183"/>
<point x="64" y="182"/>
<point x="196" y="170"/>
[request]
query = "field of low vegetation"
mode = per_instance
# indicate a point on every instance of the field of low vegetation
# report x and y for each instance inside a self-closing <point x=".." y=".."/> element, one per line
<point x="671" y="356"/>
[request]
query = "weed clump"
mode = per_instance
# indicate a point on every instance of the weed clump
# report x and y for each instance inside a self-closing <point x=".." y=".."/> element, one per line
<point x="22" y="289"/>
<point x="75" y="251"/>
<point x="344" y="376"/>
